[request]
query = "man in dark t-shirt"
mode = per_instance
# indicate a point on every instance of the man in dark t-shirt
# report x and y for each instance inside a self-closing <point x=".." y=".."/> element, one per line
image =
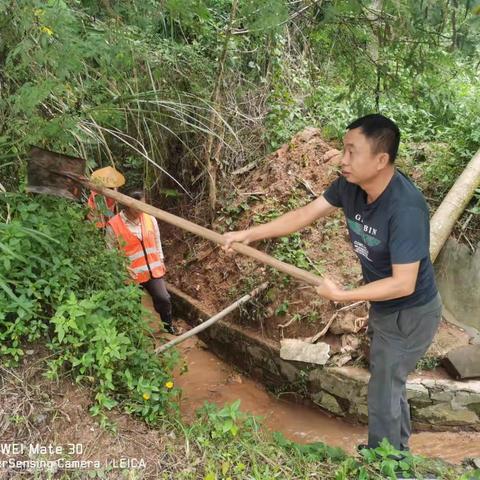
<point x="393" y="229"/>
<point x="388" y="223"/>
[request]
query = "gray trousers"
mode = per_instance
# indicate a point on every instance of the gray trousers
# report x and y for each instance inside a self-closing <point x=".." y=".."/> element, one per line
<point x="398" y="341"/>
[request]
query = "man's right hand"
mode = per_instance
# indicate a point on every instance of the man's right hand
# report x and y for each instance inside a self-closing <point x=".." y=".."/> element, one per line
<point x="242" y="236"/>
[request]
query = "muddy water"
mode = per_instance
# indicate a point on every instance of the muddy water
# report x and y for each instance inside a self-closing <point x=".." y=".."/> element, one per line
<point x="210" y="379"/>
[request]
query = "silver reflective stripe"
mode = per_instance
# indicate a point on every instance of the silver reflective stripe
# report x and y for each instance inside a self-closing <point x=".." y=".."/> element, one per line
<point x="135" y="256"/>
<point x="156" y="264"/>
<point x="141" y="254"/>
<point x="141" y="269"/>
<point x="144" y="268"/>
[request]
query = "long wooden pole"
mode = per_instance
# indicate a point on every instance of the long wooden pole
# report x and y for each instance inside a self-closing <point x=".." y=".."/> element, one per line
<point x="212" y="320"/>
<point x="453" y="205"/>
<point x="191" y="227"/>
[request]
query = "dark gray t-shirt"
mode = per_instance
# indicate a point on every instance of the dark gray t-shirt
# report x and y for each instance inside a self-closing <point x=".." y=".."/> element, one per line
<point x="394" y="229"/>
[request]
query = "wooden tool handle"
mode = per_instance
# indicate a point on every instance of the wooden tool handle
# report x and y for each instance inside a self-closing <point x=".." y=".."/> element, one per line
<point x="191" y="227"/>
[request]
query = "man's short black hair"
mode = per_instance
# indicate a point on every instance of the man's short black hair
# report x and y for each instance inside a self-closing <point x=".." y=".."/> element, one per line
<point x="381" y="131"/>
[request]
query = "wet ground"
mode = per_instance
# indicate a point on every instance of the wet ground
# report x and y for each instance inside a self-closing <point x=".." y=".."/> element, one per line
<point x="210" y="379"/>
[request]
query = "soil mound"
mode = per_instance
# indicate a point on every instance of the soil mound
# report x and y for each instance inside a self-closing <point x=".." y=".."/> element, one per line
<point x="291" y="177"/>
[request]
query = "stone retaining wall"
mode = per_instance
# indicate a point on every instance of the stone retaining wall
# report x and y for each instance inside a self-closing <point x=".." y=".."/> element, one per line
<point x="436" y="404"/>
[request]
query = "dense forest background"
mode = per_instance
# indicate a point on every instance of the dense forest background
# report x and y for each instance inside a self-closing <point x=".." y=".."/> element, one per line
<point x="179" y="93"/>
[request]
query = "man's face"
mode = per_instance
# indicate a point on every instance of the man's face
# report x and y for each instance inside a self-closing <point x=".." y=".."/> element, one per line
<point x="359" y="163"/>
<point x="133" y="212"/>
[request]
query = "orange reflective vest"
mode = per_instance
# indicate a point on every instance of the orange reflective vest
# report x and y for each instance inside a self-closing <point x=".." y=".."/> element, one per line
<point x="97" y="216"/>
<point x="144" y="257"/>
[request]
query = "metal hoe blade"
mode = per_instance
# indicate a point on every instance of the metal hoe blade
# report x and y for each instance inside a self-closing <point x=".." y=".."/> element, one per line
<point x="46" y="173"/>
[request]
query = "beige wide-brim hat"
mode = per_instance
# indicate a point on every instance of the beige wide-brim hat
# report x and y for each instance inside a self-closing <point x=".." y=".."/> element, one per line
<point x="108" y="177"/>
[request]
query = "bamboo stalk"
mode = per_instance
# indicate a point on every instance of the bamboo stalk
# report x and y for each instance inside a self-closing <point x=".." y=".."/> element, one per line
<point x="453" y="205"/>
<point x="207" y="323"/>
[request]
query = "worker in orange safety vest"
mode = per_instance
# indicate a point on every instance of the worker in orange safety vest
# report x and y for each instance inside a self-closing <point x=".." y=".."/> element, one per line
<point x="137" y="233"/>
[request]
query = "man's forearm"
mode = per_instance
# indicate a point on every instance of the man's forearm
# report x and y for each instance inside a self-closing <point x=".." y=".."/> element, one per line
<point x="385" y="289"/>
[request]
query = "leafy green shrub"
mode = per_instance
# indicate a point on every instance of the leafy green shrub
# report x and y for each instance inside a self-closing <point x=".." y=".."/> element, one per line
<point x="431" y="90"/>
<point x="227" y="422"/>
<point x="428" y="363"/>
<point x="391" y="462"/>
<point x="77" y="81"/>
<point x="59" y="281"/>
<point x="317" y="451"/>
<point x="291" y="249"/>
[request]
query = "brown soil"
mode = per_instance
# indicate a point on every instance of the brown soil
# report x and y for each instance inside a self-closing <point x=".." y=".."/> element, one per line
<point x="36" y="410"/>
<point x="283" y="182"/>
<point x="448" y="337"/>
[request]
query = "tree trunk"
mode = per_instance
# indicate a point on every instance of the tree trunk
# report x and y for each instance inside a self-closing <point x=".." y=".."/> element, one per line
<point x="454" y="25"/>
<point x="209" y="161"/>
<point x="453" y="205"/>
<point x="375" y="46"/>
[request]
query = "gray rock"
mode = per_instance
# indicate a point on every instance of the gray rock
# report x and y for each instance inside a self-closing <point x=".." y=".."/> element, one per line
<point x="417" y="390"/>
<point x="458" y="277"/>
<point x="290" y="371"/>
<point x="442" y="396"/>
<point x="300" y="351"/>
<point x="355" y="373"/>
<point x="443" y="413"/>
<point x="471" y="386"/>
<point x="328" y="402"/>
<point x="255" y="352"/>
<point x="450" y="385"/>
<point x="466" y="398"/>
<point x="340" y="385"/>
<point x="40" y="419"/>
<point x="359" y="410"/>
<point x="464" y="362"/>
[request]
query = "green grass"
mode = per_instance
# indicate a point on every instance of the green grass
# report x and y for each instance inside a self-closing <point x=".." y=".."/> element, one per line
<point x="227" y="444"/>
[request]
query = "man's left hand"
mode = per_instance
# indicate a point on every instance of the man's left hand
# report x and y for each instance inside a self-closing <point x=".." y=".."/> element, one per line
<point x="329" y="290"/>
